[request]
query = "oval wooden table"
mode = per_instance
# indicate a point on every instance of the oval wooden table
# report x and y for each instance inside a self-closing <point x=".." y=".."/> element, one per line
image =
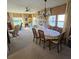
<point x="49" y="33"/>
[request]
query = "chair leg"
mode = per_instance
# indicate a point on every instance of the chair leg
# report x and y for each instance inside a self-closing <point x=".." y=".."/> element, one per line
<point x="36" y="40"/>
<point x="58" y="48"/>
<point x="8" y="46"/>
<point x="33" y="39"/>
<point x="44" y="44"/>
<point x="39" y="41"/>
<point x="49" y="45"/>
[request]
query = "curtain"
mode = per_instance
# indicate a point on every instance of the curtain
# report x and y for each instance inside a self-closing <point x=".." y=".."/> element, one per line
<point x="67" y="23"/>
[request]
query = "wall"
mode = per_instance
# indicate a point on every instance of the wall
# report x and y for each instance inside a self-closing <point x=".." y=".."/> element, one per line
<point x="58" y="10"/>
<point x="38" y="21"/>
<point x="22" y="15"/>
<point x="52" y="11"/>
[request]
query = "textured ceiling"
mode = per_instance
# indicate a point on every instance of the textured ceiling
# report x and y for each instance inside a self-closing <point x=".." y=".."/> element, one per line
<point x="34" y="5"/>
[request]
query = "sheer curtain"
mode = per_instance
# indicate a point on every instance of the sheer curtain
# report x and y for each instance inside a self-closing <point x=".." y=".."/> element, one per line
<point x="67" y="23"/>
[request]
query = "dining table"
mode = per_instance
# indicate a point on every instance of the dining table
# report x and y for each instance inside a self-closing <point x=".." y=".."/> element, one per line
<point x="49" y="33"/>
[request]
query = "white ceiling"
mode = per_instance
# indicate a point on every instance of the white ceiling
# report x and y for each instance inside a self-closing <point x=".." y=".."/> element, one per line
<point x="34" y="5"/>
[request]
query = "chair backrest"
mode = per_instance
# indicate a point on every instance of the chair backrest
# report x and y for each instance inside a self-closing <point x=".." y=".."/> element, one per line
<point x="57" y="29"/>
<point x="17" y="27"/>
<point x="34" y="32"/>
<point x="41" y="34"/>
<point x="61" y="37"/>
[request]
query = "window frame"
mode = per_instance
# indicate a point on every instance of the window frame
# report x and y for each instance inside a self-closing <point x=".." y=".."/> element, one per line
<point x="56" y="22"/>
<point x="62" y="21"/>
<point x="18" y="19"/>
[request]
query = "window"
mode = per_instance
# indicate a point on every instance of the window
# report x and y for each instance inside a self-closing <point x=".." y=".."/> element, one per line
<point x="56" y="20"/>
<point x="17" y="21"/>
<point x="60" y="21"/>
<point x="52" y="20"/>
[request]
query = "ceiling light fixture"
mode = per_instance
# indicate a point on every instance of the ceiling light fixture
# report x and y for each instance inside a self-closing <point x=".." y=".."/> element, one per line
<point x="27" y="9"/>
<point x="46" y="12"/>
<point x="45" y="9"/>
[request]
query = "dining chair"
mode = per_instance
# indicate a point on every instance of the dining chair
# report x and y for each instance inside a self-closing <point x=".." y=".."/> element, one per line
<point x="57" y="29"/>
<point x="16" y="30"/>
<point x="57" y="42"/>
<point x="35" y="35"/>
<point x="42" y="38"/>
<point x="8" y="40"/>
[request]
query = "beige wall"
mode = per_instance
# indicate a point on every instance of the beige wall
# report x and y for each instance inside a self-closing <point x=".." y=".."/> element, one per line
<point x="55" y="10"/>
<point x="22" y="15"/>
<point x="58" y="10"/>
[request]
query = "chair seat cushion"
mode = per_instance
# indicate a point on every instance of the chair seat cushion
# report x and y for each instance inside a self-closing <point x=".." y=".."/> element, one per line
<point x="47" y="37"/>
<point x="56" y="42"/>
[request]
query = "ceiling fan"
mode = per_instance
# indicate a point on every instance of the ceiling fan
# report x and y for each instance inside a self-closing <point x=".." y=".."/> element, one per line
<point x="27" y="9"/>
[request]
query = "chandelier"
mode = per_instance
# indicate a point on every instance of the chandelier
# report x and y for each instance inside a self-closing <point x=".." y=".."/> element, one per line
<point x="45" y="11"/>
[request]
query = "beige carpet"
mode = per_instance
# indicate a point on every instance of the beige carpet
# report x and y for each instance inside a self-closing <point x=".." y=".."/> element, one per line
<point x="23" y="47"/>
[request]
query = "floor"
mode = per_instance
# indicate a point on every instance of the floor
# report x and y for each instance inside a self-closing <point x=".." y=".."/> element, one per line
<point x="23" y="47"/>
